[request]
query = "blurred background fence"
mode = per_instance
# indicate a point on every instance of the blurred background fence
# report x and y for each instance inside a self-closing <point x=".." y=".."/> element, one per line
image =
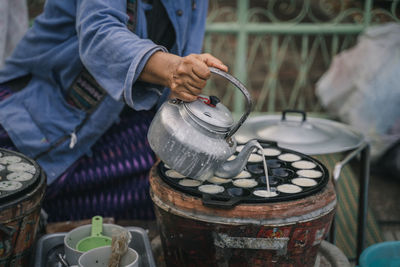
<point x="280" y="48"/>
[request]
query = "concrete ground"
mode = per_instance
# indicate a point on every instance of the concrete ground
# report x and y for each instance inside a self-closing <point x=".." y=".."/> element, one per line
<point x="384" y="200"/>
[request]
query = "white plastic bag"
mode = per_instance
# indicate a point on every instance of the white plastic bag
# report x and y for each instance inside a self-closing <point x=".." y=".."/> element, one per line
<point x="362" y="86"/>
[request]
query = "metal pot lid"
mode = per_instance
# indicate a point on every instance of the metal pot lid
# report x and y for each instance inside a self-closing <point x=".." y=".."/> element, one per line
<point x="307" y="135"/>
<point x="208" y="111"/>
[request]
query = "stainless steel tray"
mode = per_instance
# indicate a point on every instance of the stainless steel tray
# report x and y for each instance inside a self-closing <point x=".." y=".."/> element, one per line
<point x="48" y="246"/>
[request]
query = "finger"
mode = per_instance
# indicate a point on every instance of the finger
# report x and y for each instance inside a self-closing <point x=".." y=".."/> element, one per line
<point x="187" y="97"/>
<point x="194" y="90"/>
<point x="201" y="70"/>
<point x="197" y="82"/>
<point x="212" y="61"/>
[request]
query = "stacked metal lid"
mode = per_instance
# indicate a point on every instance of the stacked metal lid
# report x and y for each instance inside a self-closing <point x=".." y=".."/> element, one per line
<point x="18" y="175"/>
<point x="309" y="135"/>
<point x="292" y="175"/>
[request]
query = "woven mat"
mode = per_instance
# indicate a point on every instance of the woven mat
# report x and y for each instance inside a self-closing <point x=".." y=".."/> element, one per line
<point x="347" y="190"/>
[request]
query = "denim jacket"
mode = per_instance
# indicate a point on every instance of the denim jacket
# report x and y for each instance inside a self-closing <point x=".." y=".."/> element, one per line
<point x="92" y="33"/>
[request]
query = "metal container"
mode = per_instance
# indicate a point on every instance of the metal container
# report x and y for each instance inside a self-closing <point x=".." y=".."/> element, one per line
<point x="22" y="188"/>
<point x="195" y="138"/>
<point x="236" y="228"/>
<point x="49" y="246"/>
<point x="74" y="236"/>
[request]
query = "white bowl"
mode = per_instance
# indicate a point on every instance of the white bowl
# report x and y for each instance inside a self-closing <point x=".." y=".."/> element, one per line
<point x="99" y="257"/>
<point x="74" y="236"/>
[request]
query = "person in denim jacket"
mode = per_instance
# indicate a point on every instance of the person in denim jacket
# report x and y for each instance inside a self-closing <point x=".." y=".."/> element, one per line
<point x="79" y="91"/>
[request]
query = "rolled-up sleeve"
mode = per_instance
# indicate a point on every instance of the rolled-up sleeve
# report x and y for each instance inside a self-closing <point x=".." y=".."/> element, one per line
<point x="112" y="53"/>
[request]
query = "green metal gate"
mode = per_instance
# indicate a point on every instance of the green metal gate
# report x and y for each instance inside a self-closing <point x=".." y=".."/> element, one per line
<point x="279" y="49"/>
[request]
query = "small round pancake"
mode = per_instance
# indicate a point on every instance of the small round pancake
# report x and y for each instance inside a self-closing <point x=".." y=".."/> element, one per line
<point x="19" y="176"/>
<point x="239" y="148"/>
<point x="264" y="193"/>
<point x="309" y="173"/>
<point x="232" y="158"/>
<point x="241" y="139"/>
<point x="174" y="174"/>
<point x="218" y="180"/>
<point x="211" y="189"/>
<point x="255" y="158"/>
<point x="304" y="164"/>
<point x="270" y="152"/>
<point x="10" y="159"/>
<point x="289" y="188"/>
<point x="21" y="167"/>
<point x="10" y="185"/>
<point x="304" y="182"/>
<point x="245" y="183"/>
<point x="243" y="174"/>
<point x="189" y="182"/>
<point x="289" y="157"/>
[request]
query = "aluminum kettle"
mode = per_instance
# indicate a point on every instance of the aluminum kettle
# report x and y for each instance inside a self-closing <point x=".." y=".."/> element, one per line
<point x="195" y="138"/>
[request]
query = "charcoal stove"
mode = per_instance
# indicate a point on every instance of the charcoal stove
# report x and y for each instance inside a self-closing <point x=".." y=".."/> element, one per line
<point x="232" y="226"/>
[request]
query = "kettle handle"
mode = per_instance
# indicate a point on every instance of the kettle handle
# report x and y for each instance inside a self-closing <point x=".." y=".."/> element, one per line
<point x="244" y="91"/>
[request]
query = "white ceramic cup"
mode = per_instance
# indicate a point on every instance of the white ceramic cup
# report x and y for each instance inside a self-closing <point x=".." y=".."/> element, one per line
<point x="74" y="236"/>
<point x="99" y="257"/>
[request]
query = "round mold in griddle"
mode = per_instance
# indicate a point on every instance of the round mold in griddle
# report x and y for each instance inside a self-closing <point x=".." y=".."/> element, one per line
<point x="189" y="182"/>
<point x="304" y="164"/>
<point x="19" y="176"/>
<point x="21" y="167"/>
<point x="273" y="180"/>
<point x="245" y="183"/>
<point x="264" y="193"/>
<point x="218" y="180"/>
<point x="10" y="159"/>
<point x="256" y="168"/>
<point x="270" y="152"/>
<point x="306" y="182"/>
<point x="174" y="174"/>
<point x="255" y="158"/>
<point x="310" y="173"/>
<point x="242" y="174"/>
<point x="284" y="174"/>
<point x="237" y="192"/>
<point x="274" y="163"/>
<point x="289" y="157"/>
<point x="289" y="188"/>
<point x="211" y="189"/>
<point x="20" y="183"/>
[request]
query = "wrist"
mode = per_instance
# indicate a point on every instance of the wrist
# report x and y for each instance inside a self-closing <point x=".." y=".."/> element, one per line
<point x="159" y="68"/>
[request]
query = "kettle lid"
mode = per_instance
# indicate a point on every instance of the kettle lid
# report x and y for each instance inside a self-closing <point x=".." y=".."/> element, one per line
<point x="209" y="112"/>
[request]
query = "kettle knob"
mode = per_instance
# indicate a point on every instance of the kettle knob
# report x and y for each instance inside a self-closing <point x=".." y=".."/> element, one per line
<point x="214" y="100"/>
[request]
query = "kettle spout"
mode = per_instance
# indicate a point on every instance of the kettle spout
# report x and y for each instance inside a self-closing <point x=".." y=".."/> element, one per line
<point x="232" y="168"/>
